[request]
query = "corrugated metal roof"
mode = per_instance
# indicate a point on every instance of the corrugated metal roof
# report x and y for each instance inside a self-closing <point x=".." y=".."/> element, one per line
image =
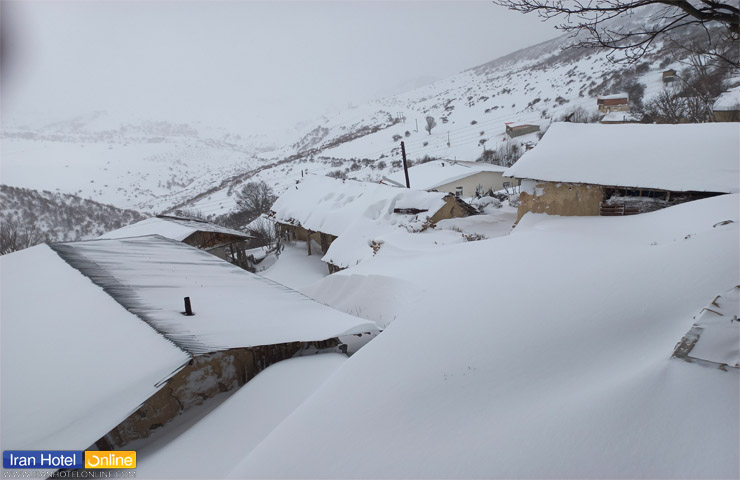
<point x="176" y="228"/>
<point x="151" y="275"/>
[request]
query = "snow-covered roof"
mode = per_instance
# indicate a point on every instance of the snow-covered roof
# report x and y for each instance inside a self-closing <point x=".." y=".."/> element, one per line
<point x="690" y="157"/>
<point x="324" y="204"/>
<point x="431" y="175"/>
<point x="560" y="370"/>
<point x="233" y="308"/>
<point x="613" y="96"/>
<point x="728" y="101"/>
<point x="72" y="362"/>
<point x="170" y="227"/>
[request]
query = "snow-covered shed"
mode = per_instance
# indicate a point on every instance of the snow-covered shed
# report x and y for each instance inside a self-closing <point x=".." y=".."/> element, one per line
<point x="616" y="102"/>
<point x="464" y="179"/>
<point x="592" y="169"/>
<point x="225" y="243"/>
<point x="112" y="329"/>
<point x="321" y="209"/>
<point x="517" y="130"/>
<point x="727" y="106"/>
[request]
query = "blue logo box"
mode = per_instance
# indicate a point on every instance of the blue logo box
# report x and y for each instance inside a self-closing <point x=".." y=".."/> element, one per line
<point x="43" y="459"/>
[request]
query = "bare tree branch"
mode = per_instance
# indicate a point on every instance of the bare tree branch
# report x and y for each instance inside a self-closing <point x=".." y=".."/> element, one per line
<point x="592" y="19"/>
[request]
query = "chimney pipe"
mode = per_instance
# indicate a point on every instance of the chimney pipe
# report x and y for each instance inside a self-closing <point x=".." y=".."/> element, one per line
<point x="188" y="308"/>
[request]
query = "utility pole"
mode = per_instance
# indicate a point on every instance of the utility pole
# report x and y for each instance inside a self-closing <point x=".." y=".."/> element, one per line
<point x="448" y="138"/>
<point x="405" y="166"/>
<point x="417" y="125"/>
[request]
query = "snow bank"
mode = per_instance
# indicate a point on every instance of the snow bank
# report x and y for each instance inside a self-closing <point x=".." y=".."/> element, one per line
<point x="619" y="117"/>
<point x="71" y="362"/>
<point x="233" y="308"/>
<point x="296" y="269"/>
<point x="692" y="157"/>
<point x="542" y="363"/>
<point x="219" y="441"/>
<point x="495" y="224"/>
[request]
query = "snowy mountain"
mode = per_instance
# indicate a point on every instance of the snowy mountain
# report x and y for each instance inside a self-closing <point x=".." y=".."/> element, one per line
<point x="158" y="166"/>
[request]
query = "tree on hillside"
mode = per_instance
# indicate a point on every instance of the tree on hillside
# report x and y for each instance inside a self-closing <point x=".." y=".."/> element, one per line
<point x="16" y="236"/>
<point x="591" y="21"/>
<point x="431" y="123"/>
<point x="670" y="106"/>
<point x="254" y="199"/>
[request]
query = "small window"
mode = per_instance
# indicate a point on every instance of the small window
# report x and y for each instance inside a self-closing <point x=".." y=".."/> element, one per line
<point x="458" y="192"/>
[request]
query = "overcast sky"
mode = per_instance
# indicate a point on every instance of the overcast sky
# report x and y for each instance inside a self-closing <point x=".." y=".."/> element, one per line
<point x="246" y="65"/>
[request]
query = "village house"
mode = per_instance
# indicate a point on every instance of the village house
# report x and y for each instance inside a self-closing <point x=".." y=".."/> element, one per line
<point x="518" y="130"/>
<point x="669" y="76"/>
<point x="617" y="102"/>
<point x="147" y="327"/>
<point x="225" y="243"/>
<point x="727" y="106"/>
<point x="591" y="169"/>
<point x="321" y="209"/>
<point x="464" y="179"/>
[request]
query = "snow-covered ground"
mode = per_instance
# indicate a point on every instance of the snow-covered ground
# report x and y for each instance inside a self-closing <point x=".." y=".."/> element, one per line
<point x="295" y="268"/>
<point x="523" y="356"/>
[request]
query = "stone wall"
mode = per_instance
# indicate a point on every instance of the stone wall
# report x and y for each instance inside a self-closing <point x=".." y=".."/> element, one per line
<point x="204" y="377"/>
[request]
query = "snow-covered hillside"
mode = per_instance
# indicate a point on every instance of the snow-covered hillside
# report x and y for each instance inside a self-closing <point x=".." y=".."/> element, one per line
<point x="158" y="166"/>
<point x="47" y="216"/>
<point x="148" y="166"/>
<point x="533" y="86"/>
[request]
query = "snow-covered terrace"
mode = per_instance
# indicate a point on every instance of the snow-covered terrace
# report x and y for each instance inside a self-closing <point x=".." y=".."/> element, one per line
<point x="431" y="175"/>
<point x="680" y="158"/>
